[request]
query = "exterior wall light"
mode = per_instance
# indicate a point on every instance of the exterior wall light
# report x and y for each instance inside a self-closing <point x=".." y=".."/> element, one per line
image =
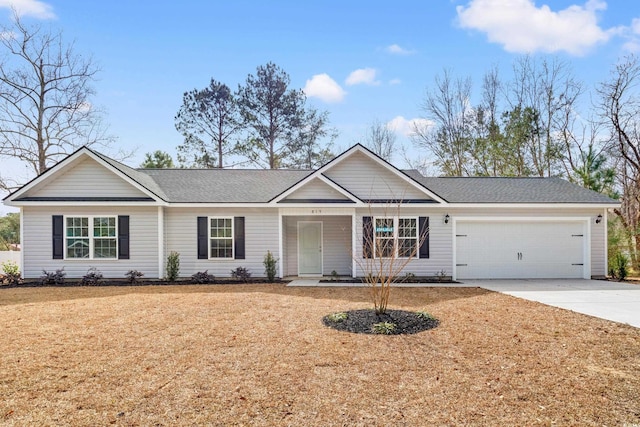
<point x="599" y="219"/>
<point x="446" y="218"/>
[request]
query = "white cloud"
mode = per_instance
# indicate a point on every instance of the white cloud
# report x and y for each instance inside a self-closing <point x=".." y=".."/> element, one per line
<point x="398" y="50"/>
<point x="324" y="87"/>
<point x="365" y="76"/>
<point x="395" y="81"/>
<point x="406" y="127"/>
<point x="632" y="34"/>
<point x="35" y="8"/>
<point x="522" y="27"/>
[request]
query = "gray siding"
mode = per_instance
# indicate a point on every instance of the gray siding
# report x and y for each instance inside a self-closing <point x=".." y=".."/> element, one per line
<point x="316" y="189"/>
<point x="261" y="234"/>
<point x="336" y="244"/>
<point x="366" y="179"/>
<point x="440" y="242"/>
<point x="85" y="179"/>
<point x="37" y="242"/>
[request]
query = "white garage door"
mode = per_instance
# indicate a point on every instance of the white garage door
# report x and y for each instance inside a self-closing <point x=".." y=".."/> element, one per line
<point x="520" y="250"/>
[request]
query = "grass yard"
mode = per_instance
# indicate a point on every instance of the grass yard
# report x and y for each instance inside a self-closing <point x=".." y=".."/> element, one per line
<point x="259" y="355"/>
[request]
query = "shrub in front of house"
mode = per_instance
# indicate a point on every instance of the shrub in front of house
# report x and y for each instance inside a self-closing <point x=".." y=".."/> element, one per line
<point x="53" y="277"/>
<point x="270" y="263"/>
<point x="241" y="273"/>
<point x="93" y="277"/>
<point x="173" y="266"/>
<point x="11" y="274"/>
<point x="203" y="277"/>
<point x="134" y="276"/>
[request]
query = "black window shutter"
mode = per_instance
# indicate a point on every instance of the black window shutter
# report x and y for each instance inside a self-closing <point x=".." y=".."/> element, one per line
<point x="123" y="236"/>
<point x="238" y="237"/>
<point x="58" y="237"/>
<point x="423" y="229"/>
<point x="203" y="237"/>
<point x="367" y="237"/>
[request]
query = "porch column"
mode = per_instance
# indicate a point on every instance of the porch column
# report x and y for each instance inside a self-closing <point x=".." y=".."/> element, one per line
<point x="280" y="246"/>
<point x="353" y="245"/>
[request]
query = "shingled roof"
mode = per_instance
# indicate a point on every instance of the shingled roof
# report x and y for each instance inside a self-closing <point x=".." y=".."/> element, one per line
<point x="223" y="185"/>
<point x="510" y="190"/>
<point x="260" y="186"/>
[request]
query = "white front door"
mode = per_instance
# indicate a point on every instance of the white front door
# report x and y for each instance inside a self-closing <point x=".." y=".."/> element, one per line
<point x="310" y="248"/>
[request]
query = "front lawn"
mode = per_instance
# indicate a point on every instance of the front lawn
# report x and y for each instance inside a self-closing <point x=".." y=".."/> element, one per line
<point x="260" y="355"/>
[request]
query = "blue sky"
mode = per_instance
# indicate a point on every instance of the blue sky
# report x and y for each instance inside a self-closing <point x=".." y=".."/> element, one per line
<point x="359" y="60"/>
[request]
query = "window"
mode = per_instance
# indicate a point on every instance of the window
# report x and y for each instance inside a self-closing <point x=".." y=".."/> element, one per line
<point x="221" y="237"/>
<point x="396" y="237"/>
<point x="91" y="237"/>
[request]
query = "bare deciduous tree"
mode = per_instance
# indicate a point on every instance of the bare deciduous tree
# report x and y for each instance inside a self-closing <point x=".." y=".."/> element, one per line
<point x="448" y="107"/>
<point x="620" y="106"/>
<point x="389" y="243"/>
<point x="380" y="139"/>
<point x="45" y="98"/>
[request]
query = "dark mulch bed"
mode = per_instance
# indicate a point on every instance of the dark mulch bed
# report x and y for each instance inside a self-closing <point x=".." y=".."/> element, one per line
<point x="362" y="321"/>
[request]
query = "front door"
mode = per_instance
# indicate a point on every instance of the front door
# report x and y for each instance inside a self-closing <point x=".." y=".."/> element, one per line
<point x="310" y="248"/>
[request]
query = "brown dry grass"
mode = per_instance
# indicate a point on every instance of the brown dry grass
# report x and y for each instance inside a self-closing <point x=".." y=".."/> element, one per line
<point x="259" y="355"/>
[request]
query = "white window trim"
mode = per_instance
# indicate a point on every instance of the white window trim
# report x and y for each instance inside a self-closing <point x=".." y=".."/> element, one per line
<point x="396" y="223"/>
<point x="233" y="238"/>
<point x="91" y="237"/>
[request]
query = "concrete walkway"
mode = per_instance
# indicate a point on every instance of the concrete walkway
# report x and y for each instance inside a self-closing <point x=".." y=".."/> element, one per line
<point x="619" y="302"/>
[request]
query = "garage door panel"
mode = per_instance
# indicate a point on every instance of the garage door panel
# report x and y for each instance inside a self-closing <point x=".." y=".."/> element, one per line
<point x="520" y="249"/>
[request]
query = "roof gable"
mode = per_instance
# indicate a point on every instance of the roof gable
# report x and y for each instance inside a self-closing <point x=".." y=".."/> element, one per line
<point x="318" y="189"/>
<point x="372" y="179"/>
<point x="83" y="176"/>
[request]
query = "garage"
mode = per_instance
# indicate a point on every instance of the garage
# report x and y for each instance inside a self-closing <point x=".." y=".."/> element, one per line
<point x="521" y="249"/>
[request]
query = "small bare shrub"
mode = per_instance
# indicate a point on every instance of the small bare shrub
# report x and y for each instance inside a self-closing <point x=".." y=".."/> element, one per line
<point x="53" y="278"/>
<point x="203" y="277"/>
<point x="134" y="276"/>
<point x="93" y="277"/>
<point x="241" y="273"/>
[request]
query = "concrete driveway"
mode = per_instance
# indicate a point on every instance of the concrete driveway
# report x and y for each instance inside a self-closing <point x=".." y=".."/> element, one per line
<point x="619" y="302"/>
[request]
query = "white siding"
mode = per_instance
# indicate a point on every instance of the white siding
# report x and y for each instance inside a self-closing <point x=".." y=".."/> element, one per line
<point x="37" y="242"/>
<point x="440" y="242"/>
<point x="366" y="179"/>
<point x="597" y="231"/>
<point x="261" y="235"/>
<point x="316" y="189"/>
<point x="86" y="178"/>
<point x="336" y="244"/>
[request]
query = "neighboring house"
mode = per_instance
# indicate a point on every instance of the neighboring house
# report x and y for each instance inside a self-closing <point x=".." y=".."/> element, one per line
<point x="91" y="211"/>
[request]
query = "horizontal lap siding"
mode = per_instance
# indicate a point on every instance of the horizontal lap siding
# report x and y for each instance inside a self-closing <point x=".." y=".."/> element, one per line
<point x="37" y="244"/>
<point x="440" y="242"/>
<point x="598" y="254"/>
<point x="261" y="235"/>
<point x="316" y="189"/>
<point x="90" y="179"/>
<point x="368" y="180"/>
<point x="336" y="243"/>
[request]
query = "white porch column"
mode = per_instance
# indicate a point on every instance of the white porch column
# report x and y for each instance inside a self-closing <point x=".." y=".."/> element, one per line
<point x="161" y="242"/>
<point x="353" y="244"/>
<point x="280" y="245"/>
